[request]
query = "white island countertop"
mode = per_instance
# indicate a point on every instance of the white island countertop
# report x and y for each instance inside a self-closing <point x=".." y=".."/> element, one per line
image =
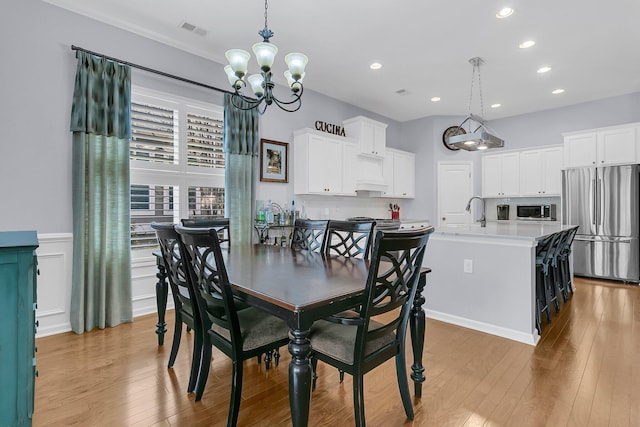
<point x="513" y="230"/>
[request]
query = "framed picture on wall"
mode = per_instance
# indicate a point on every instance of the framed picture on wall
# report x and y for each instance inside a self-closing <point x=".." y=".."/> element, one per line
<point x="274" y="161"/>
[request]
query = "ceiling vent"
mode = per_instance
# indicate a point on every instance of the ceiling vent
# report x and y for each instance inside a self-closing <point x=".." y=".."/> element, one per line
<point x="193" y="29"/>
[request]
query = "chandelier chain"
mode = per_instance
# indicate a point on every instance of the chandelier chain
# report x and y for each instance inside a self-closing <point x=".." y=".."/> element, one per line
<point x="266" y="6"/>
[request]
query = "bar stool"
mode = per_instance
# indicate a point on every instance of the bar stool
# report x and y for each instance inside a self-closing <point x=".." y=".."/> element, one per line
<point x="545" y="290"/>
<point x="565" y="285"/>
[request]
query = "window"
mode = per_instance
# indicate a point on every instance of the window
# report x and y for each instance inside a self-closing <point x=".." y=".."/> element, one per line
<point x="177" y="162"/>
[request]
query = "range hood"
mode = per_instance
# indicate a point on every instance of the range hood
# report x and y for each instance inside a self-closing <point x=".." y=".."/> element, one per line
<point x="370" y="180"/>
<point x="367" y="187"/>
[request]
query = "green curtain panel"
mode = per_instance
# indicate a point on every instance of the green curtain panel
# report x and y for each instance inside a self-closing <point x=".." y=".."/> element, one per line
<point x="241" y="147"/>
<point x="101" y="126"/>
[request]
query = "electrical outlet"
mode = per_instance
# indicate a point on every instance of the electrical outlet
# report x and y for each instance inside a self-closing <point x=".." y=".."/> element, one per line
<point x="468" y="266"/>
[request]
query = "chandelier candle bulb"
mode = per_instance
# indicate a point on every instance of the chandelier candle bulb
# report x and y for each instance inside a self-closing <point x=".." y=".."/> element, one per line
<point x="296" y="63"/>
<point x="239" y="61"/>
<point x="231" y="76"/>
<point x="256" y="81"/>
<point x="294" y="84"/>
<point x="265" y="55"/>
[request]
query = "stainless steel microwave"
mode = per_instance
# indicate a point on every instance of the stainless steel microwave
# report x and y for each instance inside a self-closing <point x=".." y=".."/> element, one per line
<point x="537" y="212"/>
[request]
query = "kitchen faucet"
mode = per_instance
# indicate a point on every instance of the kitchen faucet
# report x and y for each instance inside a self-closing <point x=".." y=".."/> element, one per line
<point x="483" y="221"/>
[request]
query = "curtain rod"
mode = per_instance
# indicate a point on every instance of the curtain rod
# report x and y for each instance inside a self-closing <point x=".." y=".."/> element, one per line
<point x="150" y="70"/>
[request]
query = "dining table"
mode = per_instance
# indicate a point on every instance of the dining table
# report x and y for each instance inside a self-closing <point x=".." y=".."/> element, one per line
<point x="300" y="287"/>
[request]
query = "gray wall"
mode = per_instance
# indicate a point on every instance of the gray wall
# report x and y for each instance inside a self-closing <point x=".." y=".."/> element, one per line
<point x="37" y="79"/>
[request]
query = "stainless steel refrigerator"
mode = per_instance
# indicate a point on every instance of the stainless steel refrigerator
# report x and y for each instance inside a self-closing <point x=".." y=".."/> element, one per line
<point x="604" y="203"/>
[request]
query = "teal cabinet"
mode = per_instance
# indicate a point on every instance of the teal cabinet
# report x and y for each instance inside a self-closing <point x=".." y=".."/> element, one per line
<point x="18" y="272"/>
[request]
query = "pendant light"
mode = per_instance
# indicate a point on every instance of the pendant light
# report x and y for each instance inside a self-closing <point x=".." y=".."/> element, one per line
<point x="478" y="136"/>
<point x="262" y="84"/>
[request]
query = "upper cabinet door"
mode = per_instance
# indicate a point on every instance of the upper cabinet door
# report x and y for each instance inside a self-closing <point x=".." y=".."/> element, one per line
<point x="552" y="171"/>
<point x="404" y="177"/>
<point x="511" y="174"/>
<point x="580" y="150"/>
<point x="325" y="165"/>
<point x="531" y="178"/>
<point x="371" y="135"/>
<point x="492" y="176"/>
<point x="617" y="146"/>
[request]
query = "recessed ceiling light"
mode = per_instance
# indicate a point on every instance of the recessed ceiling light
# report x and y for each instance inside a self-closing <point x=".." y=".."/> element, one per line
<point x="375" y="66"/>
<point x="435" y="99"/>
<point x="504" y="12"/>
<point x="542" y="70"/>
<point x="496" y="105"/>
<point x="557" y="91"/>
<point x="526" y="44"/>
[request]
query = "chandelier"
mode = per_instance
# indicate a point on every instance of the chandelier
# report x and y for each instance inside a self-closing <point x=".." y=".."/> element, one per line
<point x="262" y="84"/>
<point x="479" y="136"/>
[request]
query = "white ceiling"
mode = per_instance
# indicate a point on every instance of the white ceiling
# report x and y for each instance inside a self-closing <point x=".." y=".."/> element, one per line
<point x="592" y="46"/>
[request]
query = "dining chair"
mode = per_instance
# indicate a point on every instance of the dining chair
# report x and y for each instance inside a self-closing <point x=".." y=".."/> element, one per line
<point x="358" y="345"/>
<point x="238" y="334"/>
<point x="220" y="224"/>
<point x="349" y="238"/>
<point x="168" y="240"/>
<point x="309" y="234"/>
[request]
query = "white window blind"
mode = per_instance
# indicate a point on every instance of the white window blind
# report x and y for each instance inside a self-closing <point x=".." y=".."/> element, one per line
<point x="204" y="141"/>
<point x="177" y="162"/>
<point x="154" y="133"/>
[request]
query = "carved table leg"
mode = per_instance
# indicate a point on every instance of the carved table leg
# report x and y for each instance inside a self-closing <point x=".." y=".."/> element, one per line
<point x="299" y="377"/>
<point x="417" y="326"/>
<point x="162" y="290"/>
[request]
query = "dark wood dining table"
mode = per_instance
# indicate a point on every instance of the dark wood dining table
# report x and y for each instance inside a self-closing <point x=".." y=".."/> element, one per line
<point x="300" y="287"/>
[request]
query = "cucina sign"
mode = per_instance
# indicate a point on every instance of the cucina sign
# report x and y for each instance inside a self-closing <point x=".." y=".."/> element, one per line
<point x="329" y="128"/>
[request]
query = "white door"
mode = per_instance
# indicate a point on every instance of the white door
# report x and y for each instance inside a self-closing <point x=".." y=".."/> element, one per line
<point x="455" y="188"/>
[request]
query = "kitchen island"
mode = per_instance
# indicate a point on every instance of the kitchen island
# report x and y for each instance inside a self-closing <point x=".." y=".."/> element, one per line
<point x="484" y="278"/>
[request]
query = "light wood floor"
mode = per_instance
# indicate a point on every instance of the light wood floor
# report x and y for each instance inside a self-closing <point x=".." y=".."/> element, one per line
<point x="584" y="372"/>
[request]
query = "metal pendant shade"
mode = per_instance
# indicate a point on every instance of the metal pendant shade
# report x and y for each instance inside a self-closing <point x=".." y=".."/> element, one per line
<point x="479" y="136"/>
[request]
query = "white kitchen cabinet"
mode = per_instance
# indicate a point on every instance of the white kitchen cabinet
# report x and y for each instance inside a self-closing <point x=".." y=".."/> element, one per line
<point x="616" y="145"/>
<point x="580" y="150"/>
<point x="320" y="163"/>
<point x="399" y="174"/>
<point x="370" y="134"/>
<point x="541" y="172"/>
<point x="404" y="174"/>
<point x="500" y="175"/>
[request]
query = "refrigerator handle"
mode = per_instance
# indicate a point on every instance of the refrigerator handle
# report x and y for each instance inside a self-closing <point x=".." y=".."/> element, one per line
<point x="599" y="206"/>
<point x="595" y="202"/>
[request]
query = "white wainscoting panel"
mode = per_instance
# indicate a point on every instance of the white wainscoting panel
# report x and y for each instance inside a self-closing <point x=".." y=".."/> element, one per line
<point x="55" y="263"/>
<point x="54" y="283"/>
